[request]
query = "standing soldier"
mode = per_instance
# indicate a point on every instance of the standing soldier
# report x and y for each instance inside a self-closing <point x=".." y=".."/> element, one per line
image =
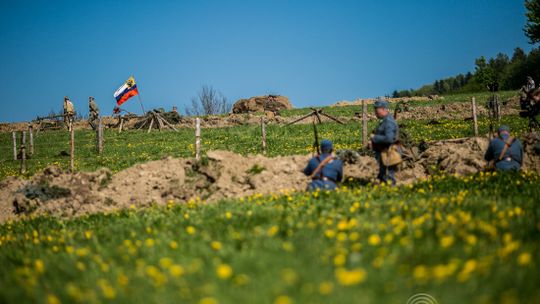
<point x="504" y="152"/>
<point x="530" y="86"/>
<point x="385" y="135"/>
<point x="94" y="113"/>
<point x="69" y="113"/>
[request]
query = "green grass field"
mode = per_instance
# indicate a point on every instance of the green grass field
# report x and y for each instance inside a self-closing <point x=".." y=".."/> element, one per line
<point x="461" y="240"/>
<point x="349" y="111"/>
<point x="128" y="148"/>
<point x="471" y="239"/>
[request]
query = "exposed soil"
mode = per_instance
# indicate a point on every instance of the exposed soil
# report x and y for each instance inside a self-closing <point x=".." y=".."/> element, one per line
<point x="222" y="175"/>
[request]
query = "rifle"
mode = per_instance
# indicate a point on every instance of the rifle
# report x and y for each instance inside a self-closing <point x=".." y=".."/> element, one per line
<point x="316" y="142"/>
<point x="40" y="118"/>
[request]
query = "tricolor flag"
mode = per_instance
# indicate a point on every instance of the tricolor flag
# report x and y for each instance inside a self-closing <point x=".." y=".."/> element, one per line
<point x="126" y="91"/>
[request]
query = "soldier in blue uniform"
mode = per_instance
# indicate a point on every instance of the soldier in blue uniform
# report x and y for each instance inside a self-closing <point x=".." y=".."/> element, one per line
<point x="324" y="170"/>
<point x="385" y="135"/>
<point x="504" y="151"/>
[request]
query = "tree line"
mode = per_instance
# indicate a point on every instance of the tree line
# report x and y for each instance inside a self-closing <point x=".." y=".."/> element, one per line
<point x="509" y="73"/>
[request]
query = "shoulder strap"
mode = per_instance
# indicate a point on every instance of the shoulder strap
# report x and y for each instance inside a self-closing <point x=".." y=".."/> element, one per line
<point x="321" y="165"/>
<point x="507" y="145"/>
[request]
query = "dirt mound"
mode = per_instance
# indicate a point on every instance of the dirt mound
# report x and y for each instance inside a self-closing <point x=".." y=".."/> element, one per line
<point x="221" y="175"/>
<point x="462" y="110"/>
<point x="262" y="103"/>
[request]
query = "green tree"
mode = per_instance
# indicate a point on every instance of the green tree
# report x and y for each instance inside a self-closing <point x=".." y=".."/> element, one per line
<point x="532" y="27"/>
<point x="518" y="56"/>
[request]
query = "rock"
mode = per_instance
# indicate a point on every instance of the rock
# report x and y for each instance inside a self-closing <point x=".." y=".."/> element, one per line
<point x="261" y="104"/>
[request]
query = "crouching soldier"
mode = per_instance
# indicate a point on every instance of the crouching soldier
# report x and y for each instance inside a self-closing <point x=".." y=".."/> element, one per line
<point x="385" y="135"/>
<point x="324" y="170"/>
<point x="504" y="152"/>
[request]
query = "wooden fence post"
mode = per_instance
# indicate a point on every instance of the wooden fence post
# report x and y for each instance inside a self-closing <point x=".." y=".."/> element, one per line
<point x="72" y="150"/>
<point x="364" y="124"/>
<point x="263" y="131"/>
<point x="31" y="134"/>
<point x="99" y="137"/>
<point x="121" y="124"/>
<point x="475" y="120"/>
<point x="197" y="138"/>
<point x="23" y="152"/>
<point x="14" y="135"/>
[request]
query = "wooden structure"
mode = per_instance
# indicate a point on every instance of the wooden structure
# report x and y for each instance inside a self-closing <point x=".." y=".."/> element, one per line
<point x="154" y="120"/>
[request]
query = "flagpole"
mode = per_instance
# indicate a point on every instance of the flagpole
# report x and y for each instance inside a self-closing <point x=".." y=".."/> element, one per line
<point x="140" y="101"/>
<point x="139" y="98"/>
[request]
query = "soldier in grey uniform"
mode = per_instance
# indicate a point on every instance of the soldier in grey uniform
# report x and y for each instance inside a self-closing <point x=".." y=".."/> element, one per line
<point x="530" y="86"/>
<point x="69" y="113"/>
<point x="94" y="113"/>
<point x="504" y="152"/>
<point x="384" y="135"/>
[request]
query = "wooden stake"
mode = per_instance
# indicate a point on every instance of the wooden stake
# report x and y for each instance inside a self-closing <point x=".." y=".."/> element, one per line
<point x="197" y="138"/>
<point x="364" y="124"/>
<point x="475" y="120"/>
<point x="168" y="124"/>
<point x="72" y="150"/>
<point x="263" y="131"/>
<point x="151" y="124"/>
<point x="121" y="124"/>
<point x="144" y="122"/>
<point x="31" y="133"/>
<point x="102" y="136"/>
<point x="23" y="152"/>
<point x="160" y="123"/>
<point x="14" y="135"/>
<point x="99" y="131"/>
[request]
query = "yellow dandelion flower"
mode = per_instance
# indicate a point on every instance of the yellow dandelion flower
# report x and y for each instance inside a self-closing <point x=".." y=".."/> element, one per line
<point x="524" y="259"/>
<point x="326" y="288"/>
<point x="39" y="266"/>
<point x="149" y="242"/>
<point x="420" y="273"/>
<point x="216" y="245"/>
<point x="224" y="271"/>
<point x="283" y="300"/>
<point x="340" y="259"/>
<point x="52" y="299"/>
<point x="447" y="241"/>
<point x="176" y="270"/>
<point x="88" y="234"/>
<point x="123" y="280"/>
<point x="165" y="262"/>
<point x="208" y="300"/>
<point x="374" y="240"/>
<point x="190" y="230"/>
<point x="350" y="277"/>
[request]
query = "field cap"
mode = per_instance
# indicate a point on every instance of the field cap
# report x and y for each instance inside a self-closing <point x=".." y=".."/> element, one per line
<point x="326" y="146"/>
<point x="381" y="103"/>
<point x="503" y="128"/>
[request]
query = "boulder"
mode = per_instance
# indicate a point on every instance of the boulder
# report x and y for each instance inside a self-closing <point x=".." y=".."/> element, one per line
<point x="261" y="104"/>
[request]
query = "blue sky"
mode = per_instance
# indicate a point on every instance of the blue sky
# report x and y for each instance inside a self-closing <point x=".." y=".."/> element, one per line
<point x="315" y="52"/>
